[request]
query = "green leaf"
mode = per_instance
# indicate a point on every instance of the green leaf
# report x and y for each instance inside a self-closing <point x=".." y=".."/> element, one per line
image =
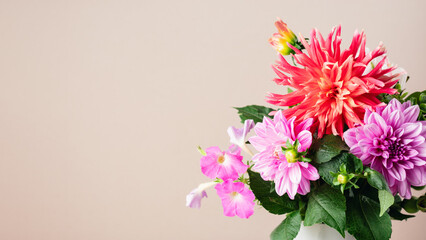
<point x="363" y="220"/>
<point x="353" y="165"/>
<point x="328" y="147"/>
<point x="270" y="200"/>
<point x="418" y="188"/>
<point x="327" y="205"/>
<point x="422" y="97"/>
<point x="386" y="200"/>
<point x="397" y="215"/>
<point x="254" y="112"/>
<point x="288" y="228"/>
<point x="376" y="180"/>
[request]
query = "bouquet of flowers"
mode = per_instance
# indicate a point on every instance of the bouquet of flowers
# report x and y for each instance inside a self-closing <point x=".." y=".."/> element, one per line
<point x="345" y="147"/>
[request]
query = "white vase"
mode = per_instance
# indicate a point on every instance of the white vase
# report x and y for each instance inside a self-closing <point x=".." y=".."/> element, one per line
<point x="320" y="232"/>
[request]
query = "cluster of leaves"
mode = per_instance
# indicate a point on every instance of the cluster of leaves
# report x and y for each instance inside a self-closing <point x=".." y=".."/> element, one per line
<point x="416" y="98"/>
<point x="363" y="208"/>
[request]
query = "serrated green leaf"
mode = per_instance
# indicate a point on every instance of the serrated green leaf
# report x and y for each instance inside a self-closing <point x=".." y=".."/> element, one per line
<point x="254" y="112"/>
<point x="363" y="220"/>
<point x="327" y="205"/>
<point x="270" y="200"/>
<point x="352" y="165"/>
<point x="328" y="147"/>
<point x="288" y="228"/>
<point x="386" y="200"/>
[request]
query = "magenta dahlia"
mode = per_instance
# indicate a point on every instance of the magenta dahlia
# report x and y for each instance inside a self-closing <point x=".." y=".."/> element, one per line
<point x="392" y="142"/>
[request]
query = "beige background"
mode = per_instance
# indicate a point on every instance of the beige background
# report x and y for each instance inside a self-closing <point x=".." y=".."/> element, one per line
<point x="102" y="105"/>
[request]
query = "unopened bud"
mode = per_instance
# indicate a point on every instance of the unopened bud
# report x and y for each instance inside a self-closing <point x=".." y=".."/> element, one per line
<point x="342" y="178"/>
<point x="291" y="156"/>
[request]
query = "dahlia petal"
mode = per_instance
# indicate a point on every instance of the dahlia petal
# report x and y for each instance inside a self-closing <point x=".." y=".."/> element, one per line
<point x="411" y="113"/>
<point x="375" y="151"/>
<point x="418" y="161"/>
<point x="396" y="119"/>
<point x="417" y="141"/>
<point x="417" y="176"/>
<point x="376" y="119"/>
<point x="387" y="163"/>
<point x="372" y="130"/>
<point x="292" y="190"/>
<point x="411" y="153"/>
<point x="304" y="186"/>
<point x="305" y="140"/>
<point x="310" y="173"/>
<point x="304" y="125"/>
<point x="404" y="189"/>
<point x="350" y="137"/>
<point x="411" y="130"/>
<point x="294" y="173"/>
<point x="282" y="184"/>
<point x="396" y="173"/>
<point x="407" y="165"/>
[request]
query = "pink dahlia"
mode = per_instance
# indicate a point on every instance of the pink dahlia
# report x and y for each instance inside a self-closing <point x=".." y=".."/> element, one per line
<point x="236" y="199"/>
<point x="286" y="168"/>
<point x="392" y="142"/>
<point x="332" y="86"/>
<point x="223" y="164"/>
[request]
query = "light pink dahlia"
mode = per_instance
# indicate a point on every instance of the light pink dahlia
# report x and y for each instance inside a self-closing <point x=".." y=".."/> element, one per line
<point x="236" y="198"/>
<point x="392" y="142"/>
<point x="223" y="164"/>
<point x="332" y="86"/>
<point x="290" y="175"/>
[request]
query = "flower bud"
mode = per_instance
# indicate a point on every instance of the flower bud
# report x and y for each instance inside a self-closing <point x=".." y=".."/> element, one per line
<point x="342" y="178"/>
<point x="283" y="37"/>
<point x="291" y="156"/>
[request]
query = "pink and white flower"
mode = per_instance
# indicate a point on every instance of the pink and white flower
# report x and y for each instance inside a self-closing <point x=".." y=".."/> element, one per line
<point x="286" y="169"/>
<point x="193" y="199"/>
<point x="236" y="198"/>
<point x="238" y="135"/>
<point x="223" y="164"/>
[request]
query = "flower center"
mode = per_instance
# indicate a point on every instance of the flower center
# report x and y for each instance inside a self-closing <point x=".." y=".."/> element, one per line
<point x="221" y="159"/>
<point x="291" y="156"/>
<point x="390" y="147"/>
<point x="234" y="194"/>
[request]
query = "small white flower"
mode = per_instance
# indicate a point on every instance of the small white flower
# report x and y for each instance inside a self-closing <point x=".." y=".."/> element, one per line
<point x="193" y="199"/>
<point x="238" y="135"/>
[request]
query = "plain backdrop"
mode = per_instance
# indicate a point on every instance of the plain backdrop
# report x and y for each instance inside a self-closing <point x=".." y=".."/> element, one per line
<point x="102" y="105"/>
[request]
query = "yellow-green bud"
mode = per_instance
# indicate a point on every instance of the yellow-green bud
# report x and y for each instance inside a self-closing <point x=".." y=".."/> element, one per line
<point x="342" y="178"/>
<point x="291" y="156"/>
